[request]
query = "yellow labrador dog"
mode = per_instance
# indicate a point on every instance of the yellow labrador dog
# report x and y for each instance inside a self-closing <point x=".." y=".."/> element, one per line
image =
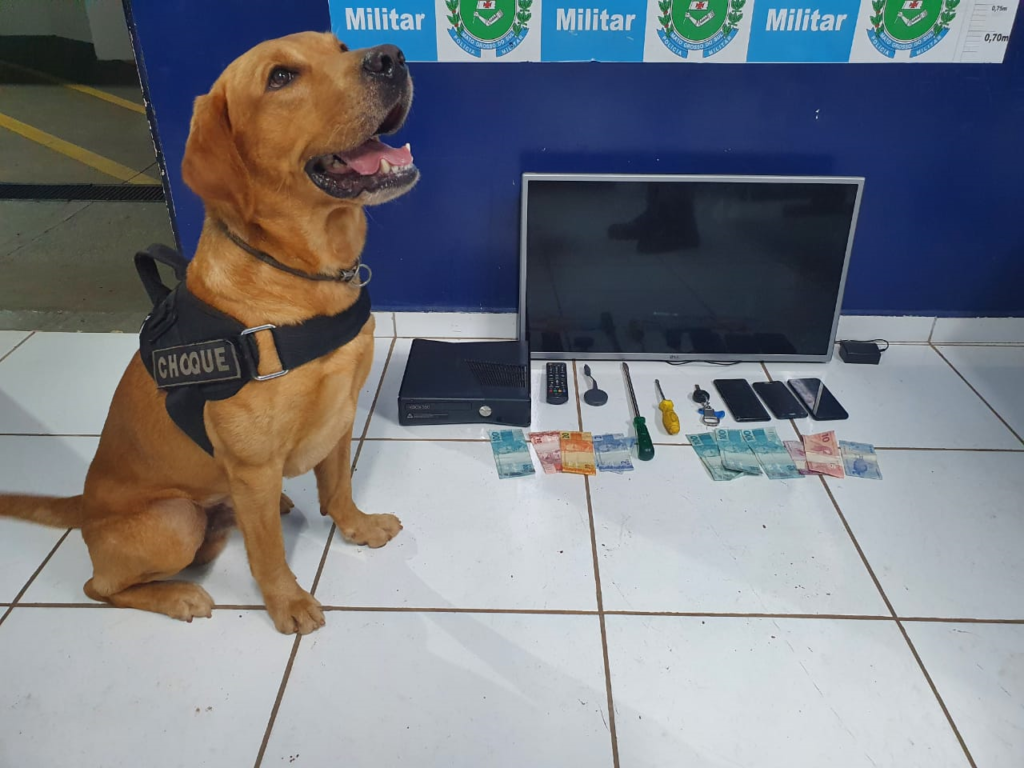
<point x="285" y="152"/>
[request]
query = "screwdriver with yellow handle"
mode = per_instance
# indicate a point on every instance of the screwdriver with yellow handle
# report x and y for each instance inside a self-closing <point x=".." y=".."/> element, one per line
<point x="668" y="414"/>
<point x="644" y="445"/>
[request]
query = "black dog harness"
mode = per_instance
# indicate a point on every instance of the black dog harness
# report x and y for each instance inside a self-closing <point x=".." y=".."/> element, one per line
<point x="196" y="353"/>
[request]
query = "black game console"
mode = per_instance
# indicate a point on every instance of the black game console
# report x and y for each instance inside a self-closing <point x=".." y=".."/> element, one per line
<point x="466" y="383"/>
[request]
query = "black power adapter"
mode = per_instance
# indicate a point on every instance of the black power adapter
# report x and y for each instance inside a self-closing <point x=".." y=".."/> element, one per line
<point x="860" y="352"/>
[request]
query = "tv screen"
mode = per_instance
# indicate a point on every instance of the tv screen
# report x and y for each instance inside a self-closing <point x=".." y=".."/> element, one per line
<point x="684" y="267"/>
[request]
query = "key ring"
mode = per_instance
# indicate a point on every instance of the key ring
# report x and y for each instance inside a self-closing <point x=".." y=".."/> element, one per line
<point x="708" y="417"/>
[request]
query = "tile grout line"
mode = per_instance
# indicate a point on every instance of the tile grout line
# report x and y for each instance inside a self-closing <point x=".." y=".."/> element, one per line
<point x="956" y="620"/>
<point x="938" y="696"/>
<point x="856" y="544"/>
<point x="961" y="450"/>
<point x="323" y="557"/>
<point x="613" y="735"/>
<point x="355" y="461"/>
<point x="899" y="624"/>
<point x="976" y="392"/>
<point x="482" y="611"/>
<point x="738" y="615"/>
<point x="573" y="612"/>
<point x="24" y="589"/>
<point x="277" y="702"/>
<point x="597" y="588"/>
<point x="997" y="344"/>
<point x="320" y="568"/>
<point x="15" y="348"/>
<point x="373" y="404"/>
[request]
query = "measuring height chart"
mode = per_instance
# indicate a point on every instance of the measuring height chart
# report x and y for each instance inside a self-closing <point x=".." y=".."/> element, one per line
<point x="684" y="31"/>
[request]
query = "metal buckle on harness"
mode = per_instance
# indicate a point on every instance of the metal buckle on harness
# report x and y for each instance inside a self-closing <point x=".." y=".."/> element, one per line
<point x="257" y="329"/>
<point x="369" y="274"/>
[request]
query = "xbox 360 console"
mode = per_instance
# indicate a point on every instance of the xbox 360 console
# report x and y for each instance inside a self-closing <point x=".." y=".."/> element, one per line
<point x="466" y="383"/>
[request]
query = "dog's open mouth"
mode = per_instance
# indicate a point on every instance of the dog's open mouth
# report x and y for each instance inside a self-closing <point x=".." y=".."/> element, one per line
<point x="371" y="167"/>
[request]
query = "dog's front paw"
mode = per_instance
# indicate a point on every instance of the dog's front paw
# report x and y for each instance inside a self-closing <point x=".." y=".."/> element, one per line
<point x="297" y="611"/>
<point x="371" y="530"/>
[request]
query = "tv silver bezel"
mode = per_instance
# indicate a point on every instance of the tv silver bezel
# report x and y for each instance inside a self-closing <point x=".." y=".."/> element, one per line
<point x="858" y="181"/>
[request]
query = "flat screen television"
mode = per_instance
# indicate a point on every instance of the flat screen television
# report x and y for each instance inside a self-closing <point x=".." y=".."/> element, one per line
<point x="678" y="268"/>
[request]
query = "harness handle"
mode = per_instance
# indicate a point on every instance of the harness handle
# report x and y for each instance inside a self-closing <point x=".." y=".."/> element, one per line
<point x="145" y="265"/>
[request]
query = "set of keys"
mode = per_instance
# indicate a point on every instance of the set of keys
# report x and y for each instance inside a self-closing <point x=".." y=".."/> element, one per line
<point x="708" y="417"/>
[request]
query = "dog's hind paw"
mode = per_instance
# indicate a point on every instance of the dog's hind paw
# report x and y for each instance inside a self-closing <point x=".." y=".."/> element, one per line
<point x="189" y="601"/>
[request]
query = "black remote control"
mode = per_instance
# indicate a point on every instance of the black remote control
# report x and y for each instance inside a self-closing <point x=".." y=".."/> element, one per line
<point x="558" y="385"/>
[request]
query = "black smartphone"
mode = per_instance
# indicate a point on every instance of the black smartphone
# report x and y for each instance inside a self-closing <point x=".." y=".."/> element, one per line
<point x="740" y="399"/>
<point x="817" y="399"/>
<point x="780" y="400"/>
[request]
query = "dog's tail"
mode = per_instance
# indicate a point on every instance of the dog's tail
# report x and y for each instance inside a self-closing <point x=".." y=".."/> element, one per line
<point x="45" y="510"/>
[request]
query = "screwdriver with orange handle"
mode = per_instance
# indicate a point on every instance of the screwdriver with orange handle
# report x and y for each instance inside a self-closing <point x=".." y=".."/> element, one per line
<point x="668" y="414"/>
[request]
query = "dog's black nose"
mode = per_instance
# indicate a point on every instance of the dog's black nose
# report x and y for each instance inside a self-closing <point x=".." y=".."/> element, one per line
<point x="385" y="61"/>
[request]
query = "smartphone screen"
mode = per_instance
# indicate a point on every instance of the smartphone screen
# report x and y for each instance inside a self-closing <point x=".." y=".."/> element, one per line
<point x="780" y="400"/>
<point x="818" y="400"/>
<point x="740" y="400"/>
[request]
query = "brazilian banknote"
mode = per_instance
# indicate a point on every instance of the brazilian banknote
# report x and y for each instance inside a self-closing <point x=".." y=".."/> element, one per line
<point x="578" y="453"/>
<point x="771" y="453"/>
<point x="736" y="454"/>
<point x="548" y="446"/>
<point x="511" y="453"/>
<point x="613" y="452"/>
<point x="860" y="460"/>
<point x="707" y="449"/>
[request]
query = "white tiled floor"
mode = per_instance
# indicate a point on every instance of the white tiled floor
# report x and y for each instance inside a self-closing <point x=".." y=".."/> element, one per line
<point x="944" y="531"/>
<point x="671" y="540"/>
<point x="998" y="375"/>
<point x="979" y="669"/>
<point x="979" y="330"/>
<point x="772" y="693"/>
<point x="10" y="339"/>
<point x="62" y="383"/>
<point x="434" y="689"/>
<point x="651" y="619"/>
<point x="22" y="461"/>
<point x="487" y="545"/>
<point x="912" y="399"/>
<point x="116" y="688"/>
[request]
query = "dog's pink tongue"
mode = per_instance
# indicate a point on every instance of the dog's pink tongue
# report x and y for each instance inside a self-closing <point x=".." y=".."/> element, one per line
<point x="365" y="159"/>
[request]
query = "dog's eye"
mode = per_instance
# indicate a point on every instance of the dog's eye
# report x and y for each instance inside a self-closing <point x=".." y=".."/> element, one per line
<point x="344" y="48"/>
<point x="280" y="77"/>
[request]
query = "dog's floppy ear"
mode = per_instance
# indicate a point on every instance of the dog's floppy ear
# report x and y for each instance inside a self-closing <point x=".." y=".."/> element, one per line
<point x="213" y="167"/>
